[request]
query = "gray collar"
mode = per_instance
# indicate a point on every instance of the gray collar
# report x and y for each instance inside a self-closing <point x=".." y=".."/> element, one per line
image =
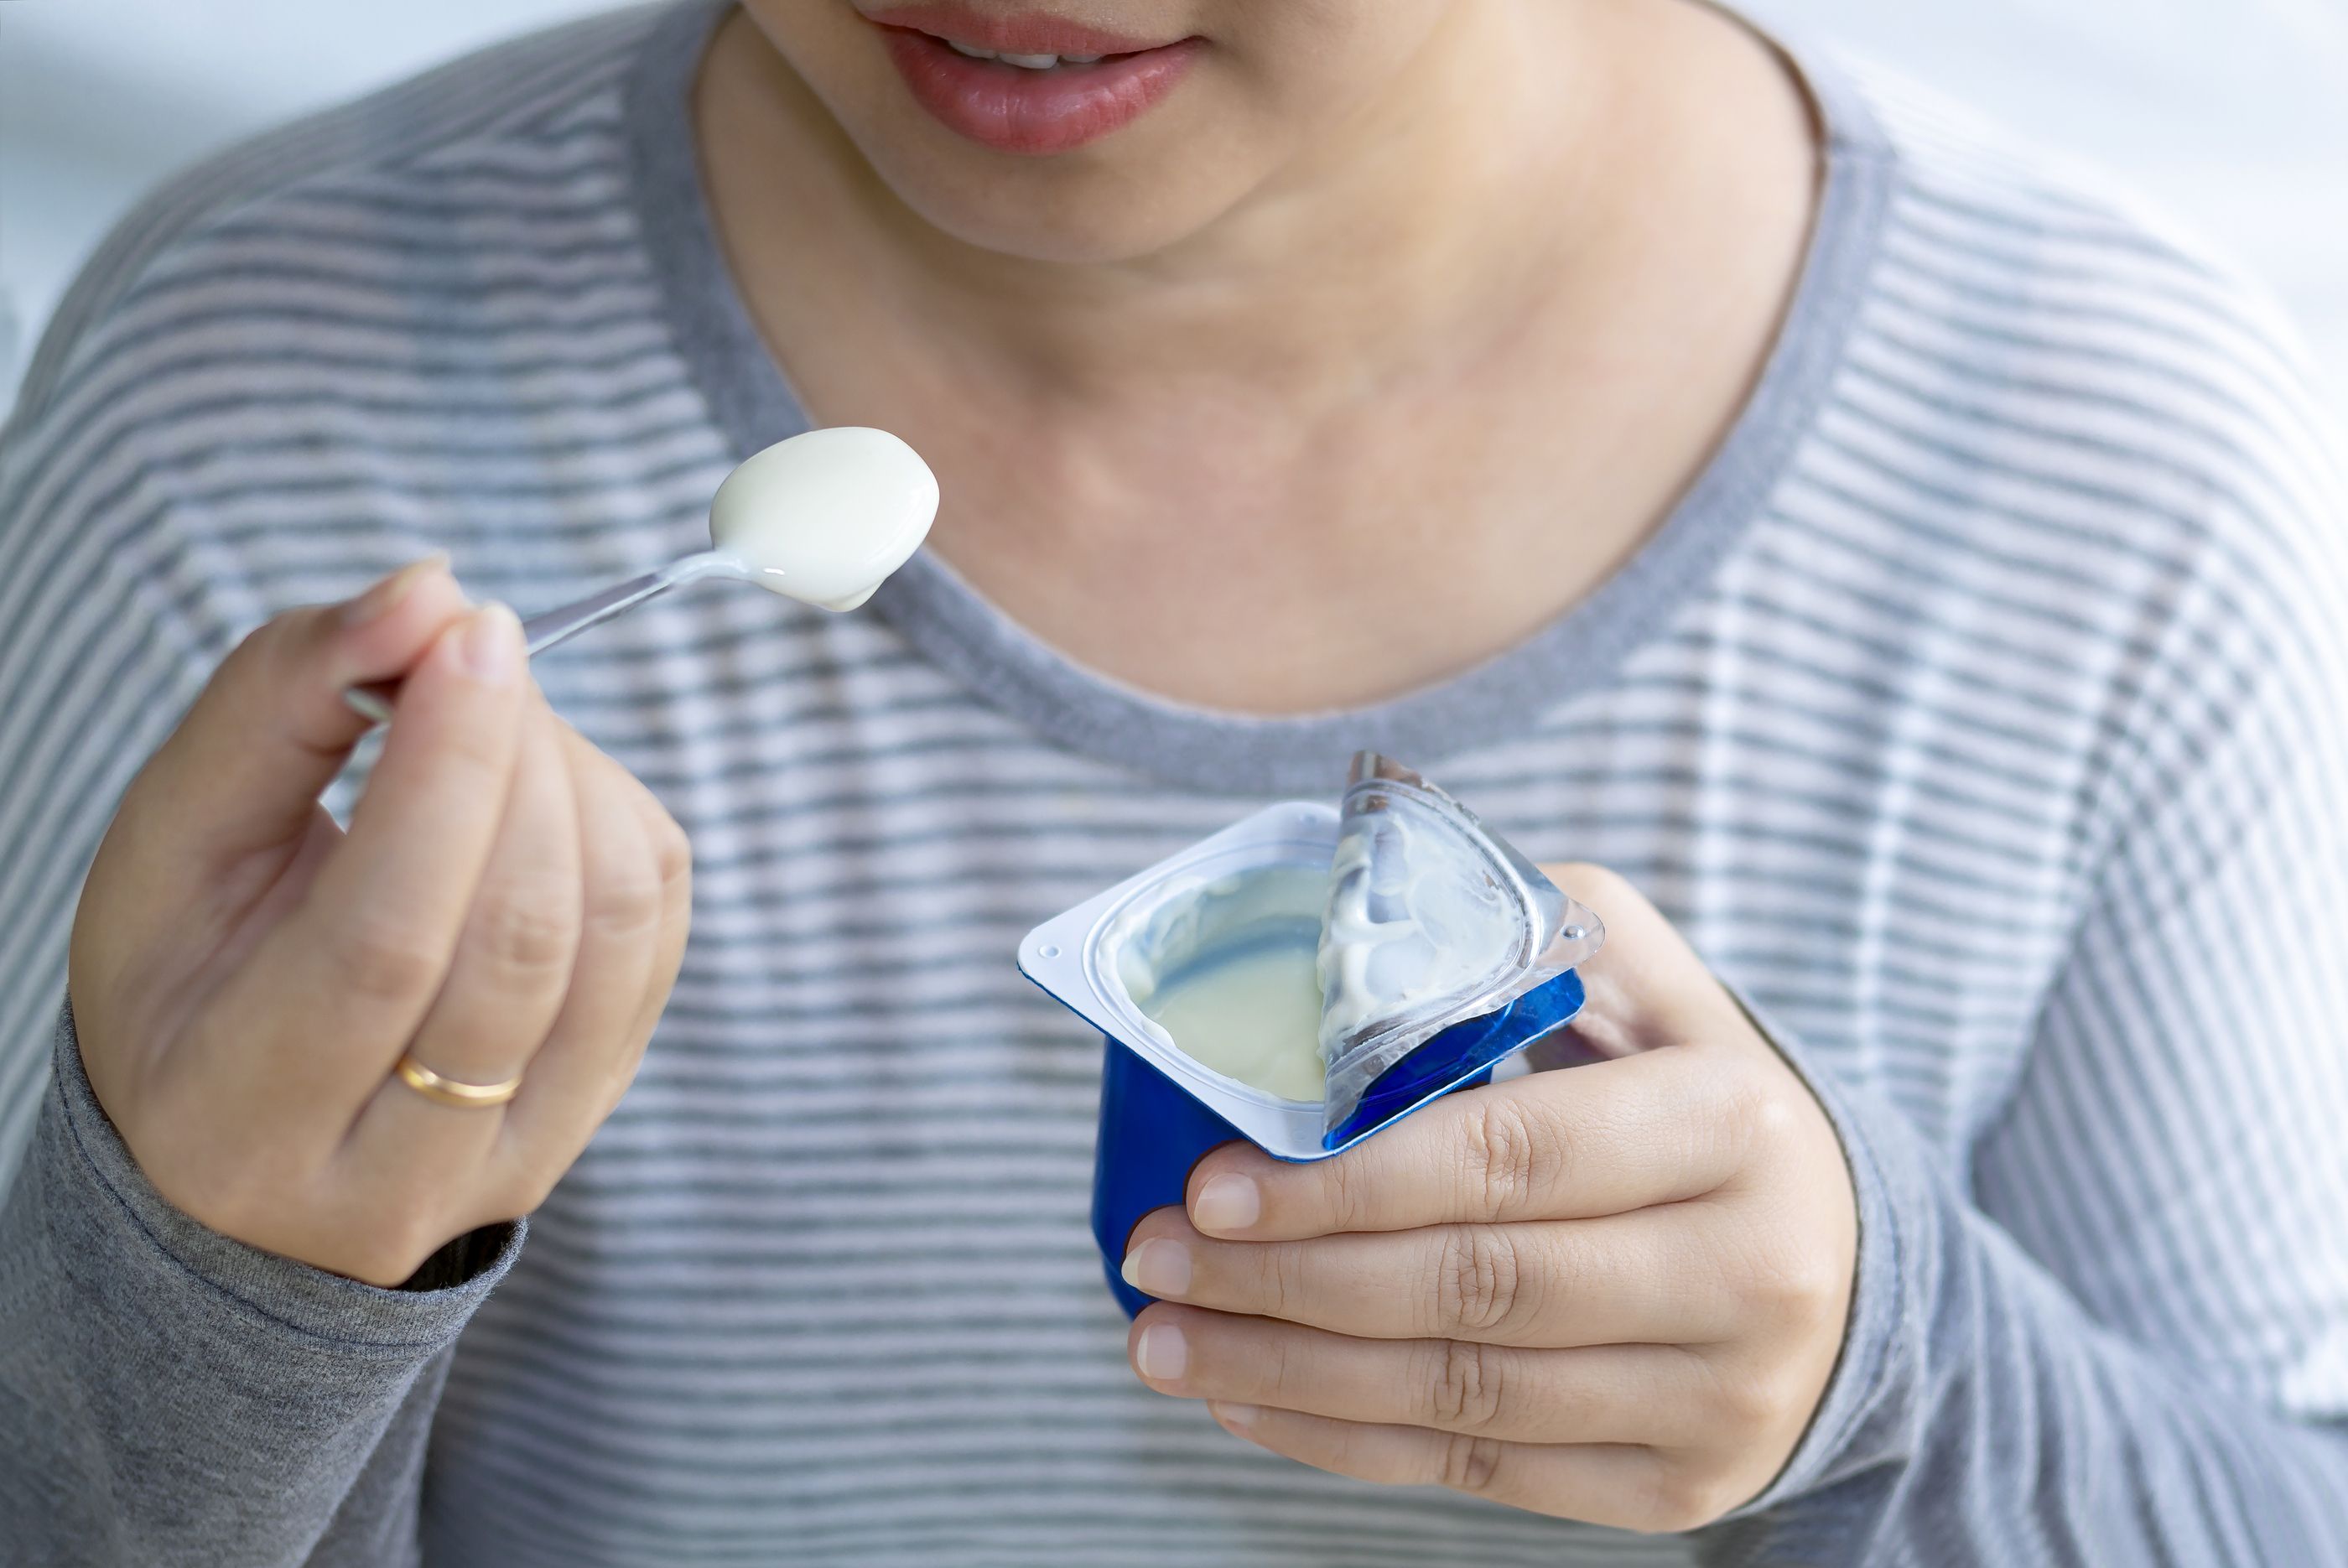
<point x="941" y="616"/>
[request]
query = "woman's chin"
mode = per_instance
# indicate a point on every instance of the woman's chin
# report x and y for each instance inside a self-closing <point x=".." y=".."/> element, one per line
<point x="1070" y="214"/>
<point x="1052" y="233"/>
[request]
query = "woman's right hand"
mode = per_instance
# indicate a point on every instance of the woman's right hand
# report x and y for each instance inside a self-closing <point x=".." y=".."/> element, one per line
<point x="246" y="976"/>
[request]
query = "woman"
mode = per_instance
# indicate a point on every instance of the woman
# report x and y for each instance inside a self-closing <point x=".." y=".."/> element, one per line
<point x="1915" y="577"/>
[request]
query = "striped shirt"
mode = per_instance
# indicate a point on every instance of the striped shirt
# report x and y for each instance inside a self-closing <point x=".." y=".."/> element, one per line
<point x="1978" y="713"/>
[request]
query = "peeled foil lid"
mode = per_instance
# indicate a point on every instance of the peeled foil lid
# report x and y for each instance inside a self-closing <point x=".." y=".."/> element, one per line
<point x="1433" y="920"/>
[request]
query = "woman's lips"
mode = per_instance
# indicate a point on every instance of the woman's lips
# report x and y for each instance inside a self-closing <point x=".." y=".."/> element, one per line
<point x="1012" y="108"/>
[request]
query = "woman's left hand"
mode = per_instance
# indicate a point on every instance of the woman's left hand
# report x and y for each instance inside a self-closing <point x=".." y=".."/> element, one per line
<point x="1613" y="1292"/>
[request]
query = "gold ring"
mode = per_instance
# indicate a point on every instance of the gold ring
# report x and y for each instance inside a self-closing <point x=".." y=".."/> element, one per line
<point x="448" y="1092"/>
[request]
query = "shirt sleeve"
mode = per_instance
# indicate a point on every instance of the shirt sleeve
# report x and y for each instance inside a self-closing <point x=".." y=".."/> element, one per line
<point x="2125" y="1337"/>
<point x="167" y="1395"/>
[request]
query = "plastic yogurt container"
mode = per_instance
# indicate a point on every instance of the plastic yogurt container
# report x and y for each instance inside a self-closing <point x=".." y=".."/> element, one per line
<point x="1438" y="953"/>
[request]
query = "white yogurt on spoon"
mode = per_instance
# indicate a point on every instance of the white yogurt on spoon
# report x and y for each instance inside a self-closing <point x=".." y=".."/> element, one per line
<point x="824" y="518"/>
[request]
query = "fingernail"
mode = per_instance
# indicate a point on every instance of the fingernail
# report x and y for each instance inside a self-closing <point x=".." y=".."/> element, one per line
<point x="1241" y="1415"/>
<point x="1228" y="1202"/>
<point x="1158" y="1267"/>
<point x="1161" y="1354"/>
<point x="493" y="645"/>
<point x="391" y="591"/>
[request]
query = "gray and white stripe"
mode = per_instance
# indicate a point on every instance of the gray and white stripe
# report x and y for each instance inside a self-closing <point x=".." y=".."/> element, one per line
<point x="1978" y="715"/>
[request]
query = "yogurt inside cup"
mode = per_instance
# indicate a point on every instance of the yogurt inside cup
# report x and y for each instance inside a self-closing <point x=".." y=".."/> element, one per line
<point x="1228" y="970"/>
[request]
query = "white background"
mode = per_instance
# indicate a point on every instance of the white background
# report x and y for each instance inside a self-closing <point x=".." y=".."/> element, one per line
<point x="2232" y="114"/>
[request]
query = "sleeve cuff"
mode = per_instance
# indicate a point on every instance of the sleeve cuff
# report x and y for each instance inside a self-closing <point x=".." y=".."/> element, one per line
<point x="115" y="1233"/>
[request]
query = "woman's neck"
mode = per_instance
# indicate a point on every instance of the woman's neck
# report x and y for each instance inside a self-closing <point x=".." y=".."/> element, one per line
<point x="1405" y="404"/>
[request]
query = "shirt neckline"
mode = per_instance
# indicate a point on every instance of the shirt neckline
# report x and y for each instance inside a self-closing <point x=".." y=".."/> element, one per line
<point x="951" y="624"/>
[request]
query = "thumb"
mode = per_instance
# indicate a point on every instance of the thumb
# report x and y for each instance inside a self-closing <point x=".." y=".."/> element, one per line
<point x="243" y="770"/>
<point x="1647" y="987"/>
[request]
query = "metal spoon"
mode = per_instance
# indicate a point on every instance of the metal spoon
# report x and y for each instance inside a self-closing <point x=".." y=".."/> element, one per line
<point x="822" y="518"/>
<point x="543" y="631"/>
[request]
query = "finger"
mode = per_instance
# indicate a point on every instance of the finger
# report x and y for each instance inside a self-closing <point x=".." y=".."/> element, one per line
<point x="1645" y="987"/>
<point x="270" y="731"/>
<point x="1654" y="1277"/>
<point x="353" y="970"/>
<point x="593" y="1047"/>
<point x="1651" y="1394"/>
<point x="1603" y="1139"/>
<point x="1628" y="1488"/>
<point x="515" y="959"/>
<point x="512" y="973"/>
<point x="673" y="855"/>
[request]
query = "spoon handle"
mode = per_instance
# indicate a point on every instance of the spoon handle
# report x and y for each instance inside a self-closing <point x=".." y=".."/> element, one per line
<point x="547" y="627"/>
<point x="543" y="630"/>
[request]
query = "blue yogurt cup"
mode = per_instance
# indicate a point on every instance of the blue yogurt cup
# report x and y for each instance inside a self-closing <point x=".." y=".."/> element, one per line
<point x="1161" y="1110"/>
